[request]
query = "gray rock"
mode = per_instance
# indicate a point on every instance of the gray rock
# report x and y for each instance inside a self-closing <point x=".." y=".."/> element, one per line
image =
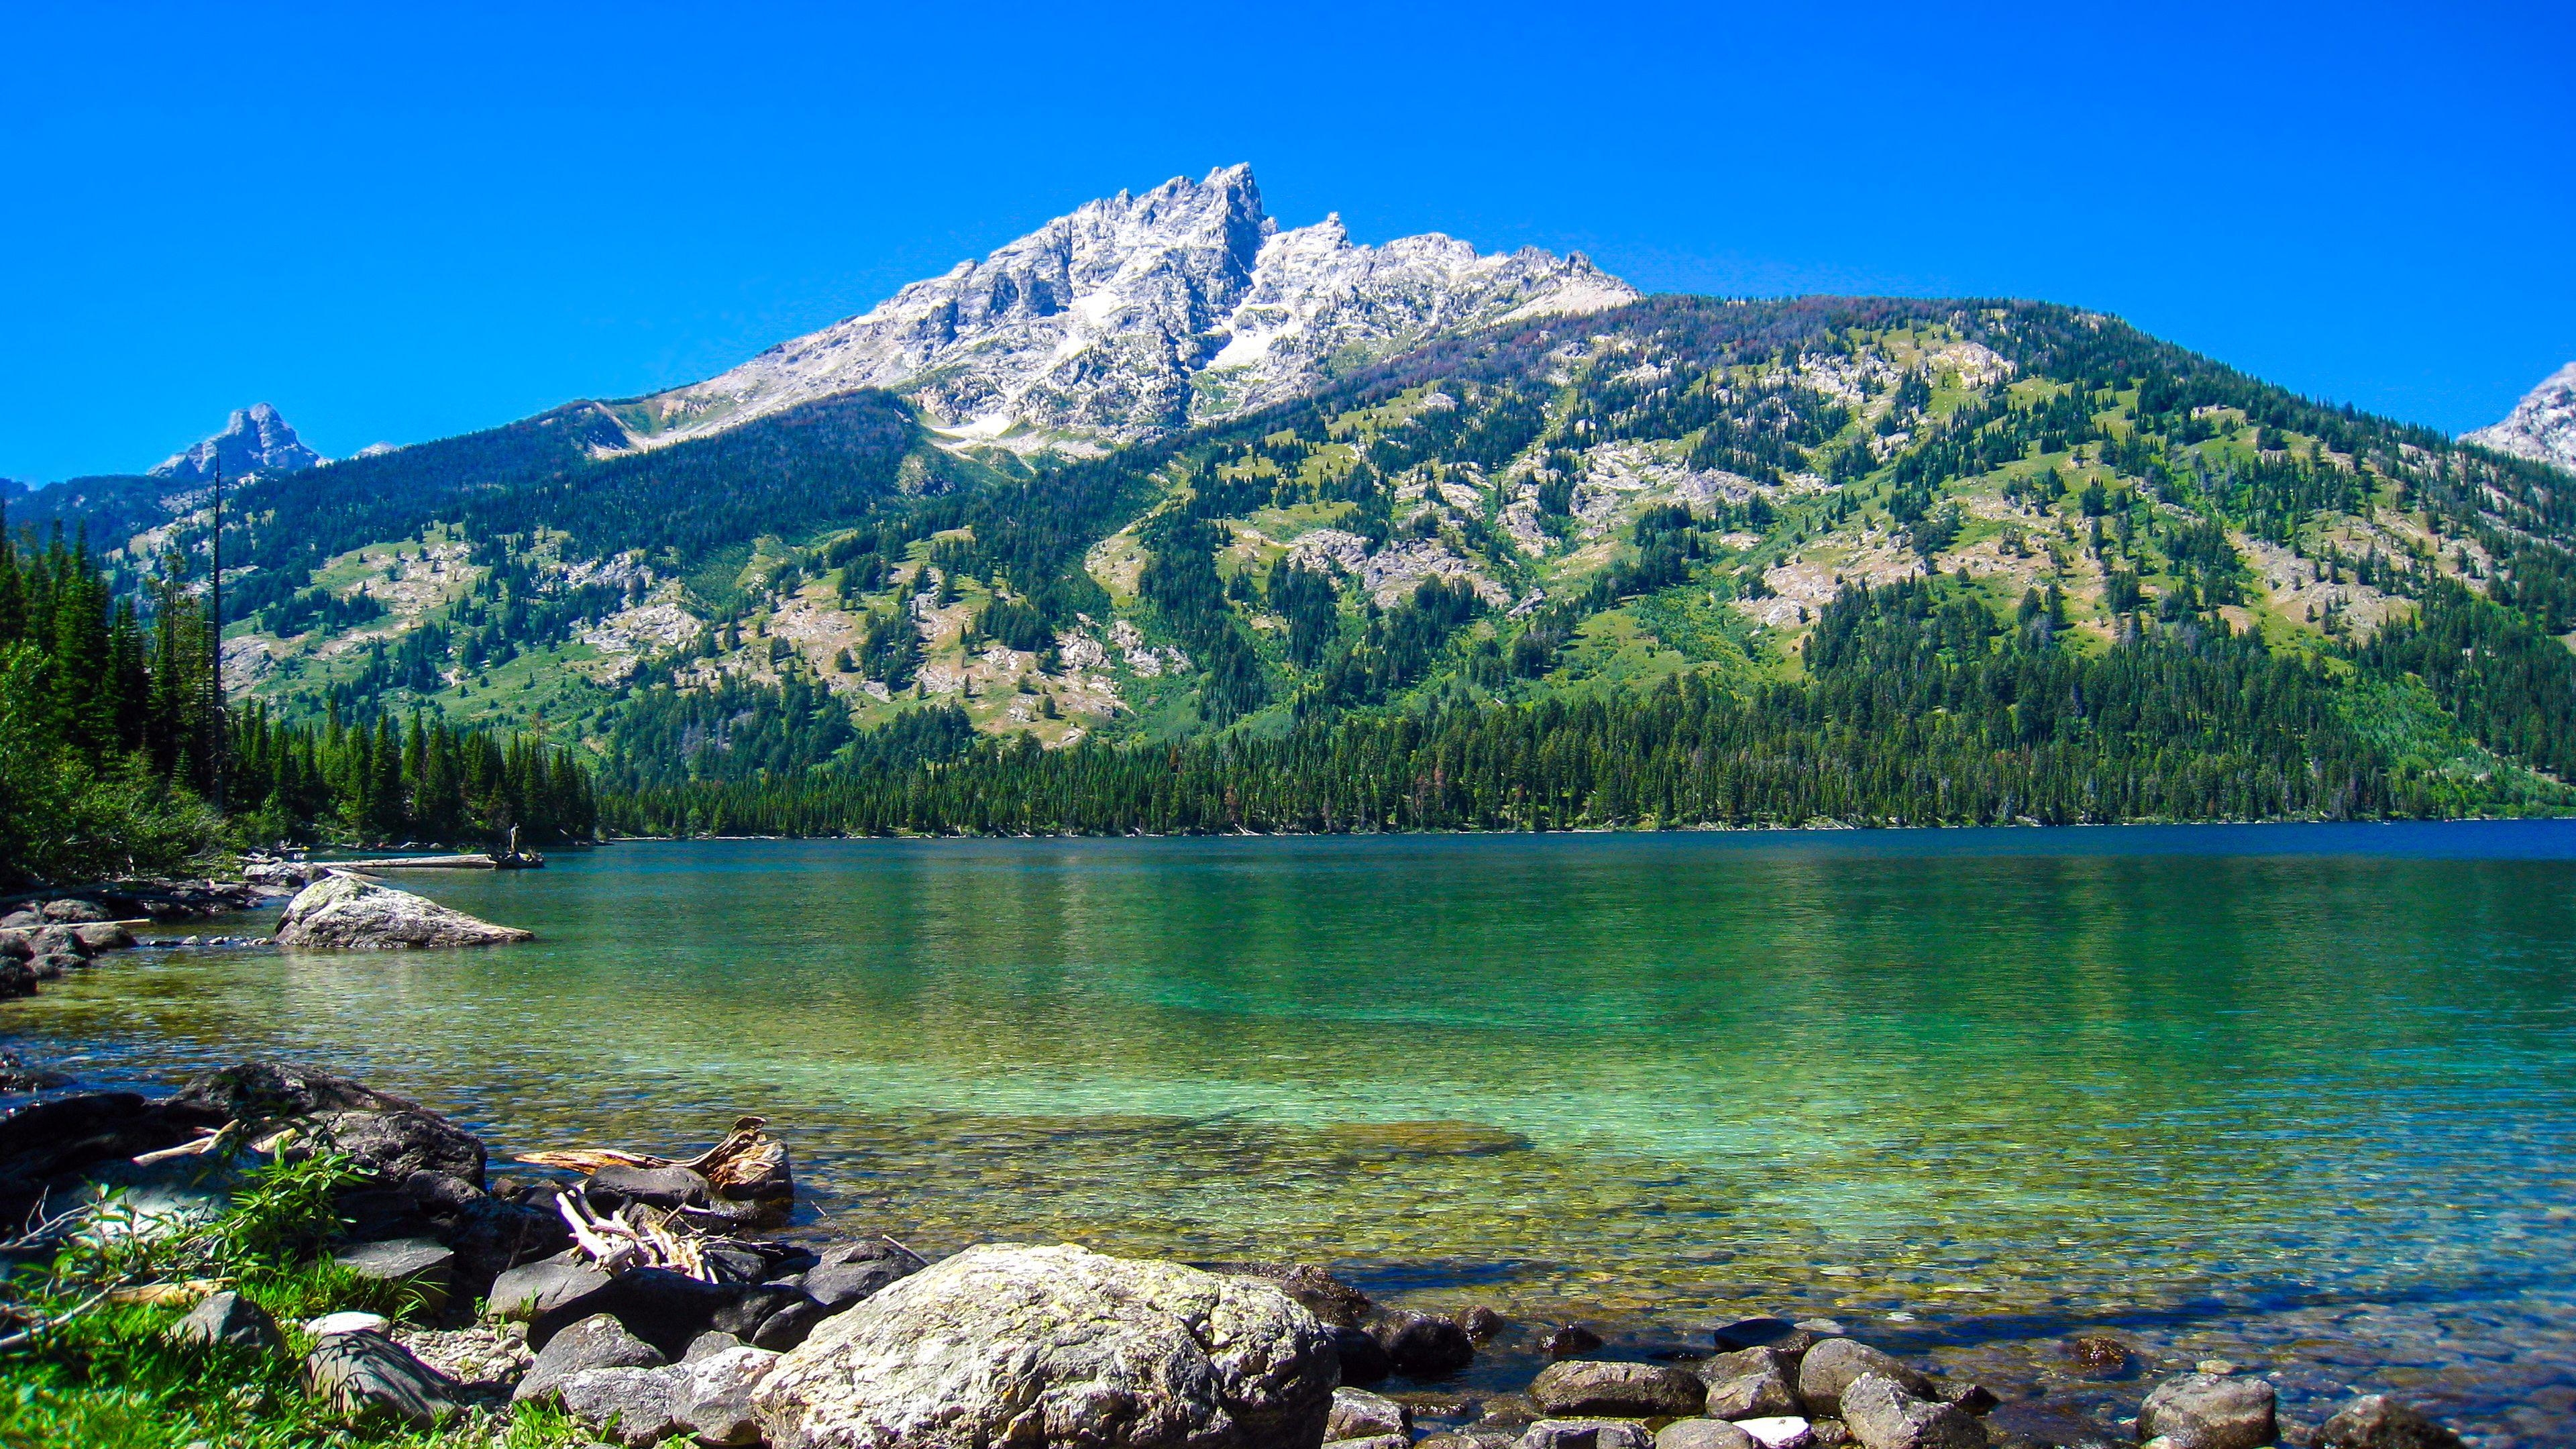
<point x="1750" y="1383"/>
<point x="57" y="941"/>
<point x="228" y="1319"/>
<point x="1363" y="1360"/>
<point x="16" y="978"/>
<point x="1422" y="1345"/>
<point x="838" y="1285"/>
<point x="2204" y="1411"/>
<point x="22" y="919"/>
<point x="1703" y="1434"/>
<point x="73" y="912"/>
<point x="789" y="1326"/>
<point x="2376" y="1421"/>
<point x="1586" y="1434"/>
<point x="631" y="1406"/>
<point x="1373" y="1441"/>
<point x="2099" y="1356"/>
<point x="16" y="945"/>
<point x="533" y="1290"/>
<point x="1569" y="1340"/>
<point x="54" y="966"/>
<point x="346" y="913"/>
<point x="712" y="1397"/>
<point x="712" y="1341"/>
<point x="421" y="1264"/>
<point x="392" y="1136"/>
<point x="1359" y="1414"/>
<point x="1584" y="1388"/>
<point x="614" y="1186"/>
<point x="104" y="938"/>
<point x="1016" y="1344"/>
<point x="596" y="1342"/>
<point x="1833" y="1364"/>
<point x="1336" y="1303"/>
<point x="368" y="1377"/>
<point x="1882" y="1414"/>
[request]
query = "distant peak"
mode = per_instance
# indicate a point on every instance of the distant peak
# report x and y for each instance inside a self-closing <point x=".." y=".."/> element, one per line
<point x="2541" y="427"/>
<point x="255" y="439"/>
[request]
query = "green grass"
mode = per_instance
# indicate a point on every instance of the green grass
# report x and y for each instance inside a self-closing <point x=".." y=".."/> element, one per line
<point x="109" y="1377"/>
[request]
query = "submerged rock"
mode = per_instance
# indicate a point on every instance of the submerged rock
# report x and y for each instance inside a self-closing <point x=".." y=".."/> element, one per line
<point x="1422" y="1345"/>
<point x="2205" y="1411"/>
<point x="346" y="913"/>
<point x="2376" y="1421"/>
<point x="1013" y="1344"/>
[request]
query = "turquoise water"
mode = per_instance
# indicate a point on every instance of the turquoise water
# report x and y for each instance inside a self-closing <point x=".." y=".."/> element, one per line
<point x="2298" y="1097"/>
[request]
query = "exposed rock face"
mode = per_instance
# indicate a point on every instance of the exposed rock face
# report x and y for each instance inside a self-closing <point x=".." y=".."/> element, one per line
<point x="254" y="440"/>
<point x="347" y="913"/>
<point x="1138" y="314"/>
<point x="1010" y="1344"/>
<point x="2542" y="426"/>
<point x="2205" y="1411"/>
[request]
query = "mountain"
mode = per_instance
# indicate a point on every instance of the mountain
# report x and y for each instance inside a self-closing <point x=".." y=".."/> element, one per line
<point x="1137" y="315"/>
<point x="255" y="440"/>
<point x="2541" y="427"/>
<point x="1342" y="537"/>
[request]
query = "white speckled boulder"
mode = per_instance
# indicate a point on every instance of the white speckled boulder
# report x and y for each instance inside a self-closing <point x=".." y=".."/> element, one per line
<point x="343" y="912"/>
<point x="1010" y="1344"/>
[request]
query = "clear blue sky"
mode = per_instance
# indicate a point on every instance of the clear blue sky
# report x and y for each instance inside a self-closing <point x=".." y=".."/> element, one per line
<point x="399" y="222"/>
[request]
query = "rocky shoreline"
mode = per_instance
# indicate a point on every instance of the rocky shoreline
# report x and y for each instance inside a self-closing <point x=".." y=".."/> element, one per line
<point x="651" y="1298"/>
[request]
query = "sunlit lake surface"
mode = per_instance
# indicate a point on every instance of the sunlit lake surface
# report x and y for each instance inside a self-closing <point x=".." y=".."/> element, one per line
<point x="2303" y="1098"/>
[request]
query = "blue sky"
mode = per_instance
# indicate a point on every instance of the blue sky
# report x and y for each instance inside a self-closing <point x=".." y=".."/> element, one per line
<point x="403" y="222"/>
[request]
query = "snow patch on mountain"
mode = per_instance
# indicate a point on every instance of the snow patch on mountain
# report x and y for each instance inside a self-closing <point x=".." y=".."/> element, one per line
<point x="1135" y="315"/>
<point x="2542" y="426"/>
<point x="254" y="440"/>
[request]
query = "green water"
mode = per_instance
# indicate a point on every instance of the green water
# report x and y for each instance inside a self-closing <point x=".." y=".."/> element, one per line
<point x="2301" y="1097"/>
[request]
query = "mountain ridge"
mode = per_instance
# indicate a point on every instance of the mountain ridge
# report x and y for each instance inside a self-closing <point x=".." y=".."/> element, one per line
<point x="254" y="440"/>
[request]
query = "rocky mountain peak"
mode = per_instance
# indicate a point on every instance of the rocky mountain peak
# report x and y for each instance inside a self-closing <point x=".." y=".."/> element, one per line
<point x="255" y="439"/>
<point x="2542" y="426"/>
<point x="1135" y="314"/>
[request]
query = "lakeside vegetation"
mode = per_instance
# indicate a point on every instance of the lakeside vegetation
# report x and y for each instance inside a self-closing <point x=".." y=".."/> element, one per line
<point x="112" y="751"/>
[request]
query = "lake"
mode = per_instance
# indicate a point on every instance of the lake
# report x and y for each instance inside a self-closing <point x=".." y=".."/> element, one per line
<point x="2298" y="1097"/>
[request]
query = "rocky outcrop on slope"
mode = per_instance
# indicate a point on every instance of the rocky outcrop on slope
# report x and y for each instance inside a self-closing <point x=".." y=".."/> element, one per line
<point x="1136" y="314"/>
<point x="255" y="439"/>
<point x="344" y="912"/>
<point x="2541" y="427"/>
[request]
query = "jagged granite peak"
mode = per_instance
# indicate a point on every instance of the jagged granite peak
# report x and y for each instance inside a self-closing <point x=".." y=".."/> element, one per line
<point x="255" y="440"/>
<point x="1137" y="314"/>
<point x="2542" y="426"/>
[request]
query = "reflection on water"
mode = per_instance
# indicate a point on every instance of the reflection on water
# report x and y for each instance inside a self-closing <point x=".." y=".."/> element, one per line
<point x="2299" y="1097"/>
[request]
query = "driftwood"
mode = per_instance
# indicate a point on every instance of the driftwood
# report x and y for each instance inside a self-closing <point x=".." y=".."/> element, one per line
<point x="748" y="1164"/>
<point x="634" y="1237"/>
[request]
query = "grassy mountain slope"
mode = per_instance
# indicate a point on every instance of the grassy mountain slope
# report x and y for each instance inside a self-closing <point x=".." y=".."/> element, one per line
<point x="1556" y="514"/>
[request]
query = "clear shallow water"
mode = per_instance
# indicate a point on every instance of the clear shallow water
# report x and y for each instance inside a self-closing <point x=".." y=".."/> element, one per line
<point x="2300" y="1097"/>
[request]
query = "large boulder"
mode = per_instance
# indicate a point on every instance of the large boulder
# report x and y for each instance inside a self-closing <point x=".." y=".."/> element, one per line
<point x="2376" y="1421"/>
<point x="1588" y="1389"/>
<point x="1882" y="1414"/>
<point x="1014" y="1344"/>
<point x="2206" y="1411"/>
<point x="346" y="913"/>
